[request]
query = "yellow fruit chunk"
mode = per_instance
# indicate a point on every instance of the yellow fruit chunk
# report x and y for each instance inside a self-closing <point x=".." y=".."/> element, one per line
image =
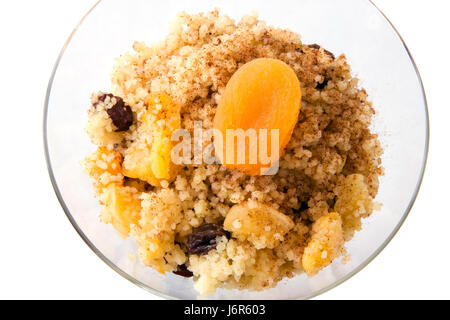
<point x="353" y="203"/>
<point x="259" y="224"/>
<point x="150" y="158"/>
<point x="104" y="166"/>
<point x="326" y="244"/>
<point x="162" y="166"/>
<point x="262" y="94"/>
<point x="138" y="164"/>
<point x="121" y="207"/>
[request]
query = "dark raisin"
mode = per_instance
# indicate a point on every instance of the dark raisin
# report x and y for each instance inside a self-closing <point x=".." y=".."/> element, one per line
<point x="121" y="115"/>
<point x="332" y="202"/>
<point x="183" y="271"/>
<point x="303" y="206"/>
<point x="210" y="91"/>
<point x="323" y="84"/>
<point x="307" y="222"/>
<point x="313" y="46"/>
<point x="203" y="238"/>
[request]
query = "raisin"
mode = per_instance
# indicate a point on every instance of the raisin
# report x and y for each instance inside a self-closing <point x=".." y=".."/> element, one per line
<point x="313" y="46"/>
<point x="322" y="84"/>
<point x="183" y="271"/>
<point x="203" y="238"/>
<point x="332" y="202"/>
<point x="121" y="115"/>
<point x="303" y="206"/>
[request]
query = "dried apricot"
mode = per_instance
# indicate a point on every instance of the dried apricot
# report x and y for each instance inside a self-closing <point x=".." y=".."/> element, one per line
<point x="263" y="94"/>
<point x="121" y="208"/>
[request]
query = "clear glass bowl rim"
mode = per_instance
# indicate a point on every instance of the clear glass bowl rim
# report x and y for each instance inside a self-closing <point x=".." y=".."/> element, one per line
<point x="163" y="295"/>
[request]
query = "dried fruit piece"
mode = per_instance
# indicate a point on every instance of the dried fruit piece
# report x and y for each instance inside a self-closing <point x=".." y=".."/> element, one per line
<point x="161" y="162"/>
<point x="313" y="46"/>
<point x="150" y="160"/>
<point x="137" y="164"/>
<point x="262" y="94"/>
<point x="121" y="207"/>
<point x="203" y="238"/>
<point x="323" y="84"/>
<point x="183" y="271"/>
<point x="259" y="224"/>
<point x="326" y="244"/>
<point x="303" y="207"/>
<point x="120" y="113"/>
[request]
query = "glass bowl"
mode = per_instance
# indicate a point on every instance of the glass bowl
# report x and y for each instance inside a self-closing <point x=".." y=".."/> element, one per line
<point x="376" y="52"/>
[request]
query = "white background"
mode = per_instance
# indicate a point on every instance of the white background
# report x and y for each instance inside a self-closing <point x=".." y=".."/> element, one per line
<point x="42" y="257"/>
